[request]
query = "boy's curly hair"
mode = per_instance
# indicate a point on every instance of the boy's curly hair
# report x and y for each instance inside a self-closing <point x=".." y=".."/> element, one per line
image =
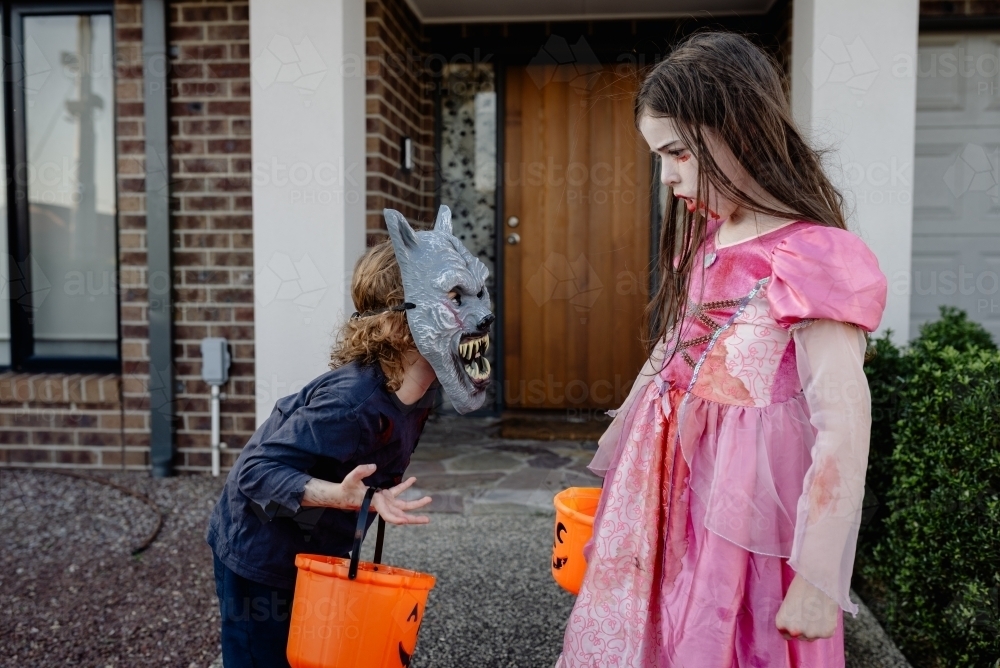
<point x="385" y="337"/>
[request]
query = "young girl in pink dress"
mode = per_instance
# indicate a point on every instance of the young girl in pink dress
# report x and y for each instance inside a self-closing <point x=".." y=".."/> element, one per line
<point x="734" y="472"/>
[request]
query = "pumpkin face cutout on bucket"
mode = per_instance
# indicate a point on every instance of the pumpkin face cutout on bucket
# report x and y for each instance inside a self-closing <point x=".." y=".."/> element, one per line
<point x="575" y="509"/>
<point x="407" y="616"/>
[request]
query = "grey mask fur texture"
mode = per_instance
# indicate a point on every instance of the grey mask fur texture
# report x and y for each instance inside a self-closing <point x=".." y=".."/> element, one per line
<point x="451" y="333"/>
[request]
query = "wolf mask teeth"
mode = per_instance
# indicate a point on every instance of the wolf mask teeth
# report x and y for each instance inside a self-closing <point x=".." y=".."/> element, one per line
<point x="451" y="317"/>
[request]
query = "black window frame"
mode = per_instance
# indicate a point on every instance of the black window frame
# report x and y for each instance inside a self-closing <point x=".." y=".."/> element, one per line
<point x="22" y="338"/>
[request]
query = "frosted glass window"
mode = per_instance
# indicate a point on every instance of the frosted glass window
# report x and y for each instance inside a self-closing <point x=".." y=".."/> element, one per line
<point x="69" y="118"/>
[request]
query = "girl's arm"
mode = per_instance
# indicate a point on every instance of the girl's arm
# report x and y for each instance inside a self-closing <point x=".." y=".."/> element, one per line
<point x="830" y="357"/>
<point x="349" y="494"/>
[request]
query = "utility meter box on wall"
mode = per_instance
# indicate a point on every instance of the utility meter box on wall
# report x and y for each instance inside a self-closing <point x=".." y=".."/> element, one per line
<point x="215" y="361"/>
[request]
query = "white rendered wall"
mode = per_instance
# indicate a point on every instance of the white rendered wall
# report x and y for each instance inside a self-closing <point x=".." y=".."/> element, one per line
<point x="308" y="135"/>
<point x="854" y="90"/>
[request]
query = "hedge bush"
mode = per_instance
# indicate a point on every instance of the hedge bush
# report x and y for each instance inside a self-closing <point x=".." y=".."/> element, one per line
<point x="888" y="370"/>
<point x="956" y="330"/>
<point x="932" y="560"/>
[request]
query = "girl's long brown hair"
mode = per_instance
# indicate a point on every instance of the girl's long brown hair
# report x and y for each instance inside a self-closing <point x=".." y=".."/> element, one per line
<point x="721" y="82"/>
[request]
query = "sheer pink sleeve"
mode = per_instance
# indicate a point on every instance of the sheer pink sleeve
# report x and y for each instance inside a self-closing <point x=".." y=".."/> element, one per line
<point x="825" y="272"/>
<point x="608" y="442"/>
<point x="830" y="358"/>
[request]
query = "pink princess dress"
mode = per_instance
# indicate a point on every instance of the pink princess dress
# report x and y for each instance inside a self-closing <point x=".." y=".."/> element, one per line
<point x="737" y="463"/>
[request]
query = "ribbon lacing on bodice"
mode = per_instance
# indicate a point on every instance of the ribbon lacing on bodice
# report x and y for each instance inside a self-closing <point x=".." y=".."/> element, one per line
<point x="700" y="312"/>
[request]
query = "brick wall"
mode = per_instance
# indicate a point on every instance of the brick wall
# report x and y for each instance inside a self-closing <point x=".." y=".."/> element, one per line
<point x="399" y="102"/>
<point x="60" y="420"/>
<point x="211" y="220"/>
<point x="134" y="315"/>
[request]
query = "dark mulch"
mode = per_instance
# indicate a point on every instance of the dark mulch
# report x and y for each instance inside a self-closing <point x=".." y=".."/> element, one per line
<point x="72" y="594"/>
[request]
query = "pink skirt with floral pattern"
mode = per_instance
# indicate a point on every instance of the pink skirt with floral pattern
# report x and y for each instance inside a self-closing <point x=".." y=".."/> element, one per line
<point x="670" y="581"/>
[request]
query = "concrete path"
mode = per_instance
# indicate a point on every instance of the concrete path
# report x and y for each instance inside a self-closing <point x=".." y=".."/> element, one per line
<point x="467" y="468"/>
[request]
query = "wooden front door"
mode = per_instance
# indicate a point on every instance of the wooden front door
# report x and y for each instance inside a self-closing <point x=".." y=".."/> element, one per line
<point x="576" y="231"/>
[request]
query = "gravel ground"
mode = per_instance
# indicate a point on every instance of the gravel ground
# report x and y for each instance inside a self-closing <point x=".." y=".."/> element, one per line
<point x="495" y="602"/>
<point x="71" y="594"/>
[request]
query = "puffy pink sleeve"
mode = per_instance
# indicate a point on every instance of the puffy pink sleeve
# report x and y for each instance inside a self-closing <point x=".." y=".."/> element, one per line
<point x="823" y="272"/>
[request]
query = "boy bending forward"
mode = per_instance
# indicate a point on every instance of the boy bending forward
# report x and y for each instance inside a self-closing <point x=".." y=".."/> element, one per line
<point x="300" y="479"/>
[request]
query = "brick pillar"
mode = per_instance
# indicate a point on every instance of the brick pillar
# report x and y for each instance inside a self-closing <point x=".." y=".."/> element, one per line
<point x="399" y="102"/>
<point x="131" y="161"/>
<point x="211" y="220"/>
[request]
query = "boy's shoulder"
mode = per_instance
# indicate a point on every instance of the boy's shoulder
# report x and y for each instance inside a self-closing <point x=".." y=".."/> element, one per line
<point x="353" y="383"/>
<point x="349" y="386"/>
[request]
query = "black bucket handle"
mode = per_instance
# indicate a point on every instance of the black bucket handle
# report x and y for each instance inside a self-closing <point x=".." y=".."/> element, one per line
<point x="359" y="535"/>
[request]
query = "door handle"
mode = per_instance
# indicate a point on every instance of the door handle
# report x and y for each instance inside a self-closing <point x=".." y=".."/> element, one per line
<point x="513" y="238"/>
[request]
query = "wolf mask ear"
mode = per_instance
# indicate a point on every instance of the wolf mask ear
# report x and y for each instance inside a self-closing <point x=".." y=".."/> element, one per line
<point x="443" y="222"/>
<point x="402" y="235"/>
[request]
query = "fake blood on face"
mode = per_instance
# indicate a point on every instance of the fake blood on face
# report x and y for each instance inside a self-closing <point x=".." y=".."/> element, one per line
<point x="692" y="206"/>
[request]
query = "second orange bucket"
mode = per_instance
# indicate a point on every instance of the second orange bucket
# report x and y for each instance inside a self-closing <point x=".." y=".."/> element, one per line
<point x="575" y="510"/>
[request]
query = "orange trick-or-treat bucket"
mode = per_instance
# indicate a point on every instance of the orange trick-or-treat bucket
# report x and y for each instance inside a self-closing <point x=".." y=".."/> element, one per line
<point x="575" y="509"/>
<point x="351" y="614"/>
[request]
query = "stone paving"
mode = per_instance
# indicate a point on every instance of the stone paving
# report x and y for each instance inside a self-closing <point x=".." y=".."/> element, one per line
<point x="466" y="467"/>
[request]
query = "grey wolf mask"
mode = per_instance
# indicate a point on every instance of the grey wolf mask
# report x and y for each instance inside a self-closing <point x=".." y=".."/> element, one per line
<point x="450" y="318"/>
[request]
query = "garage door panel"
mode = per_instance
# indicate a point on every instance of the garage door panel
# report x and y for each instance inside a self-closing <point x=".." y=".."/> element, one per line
<point x="935" y="205"/>
<point x="962" y="271"/>
<point x="957" y="80"/>
<point x="957" y="180"/>
<point x="956" y="183"/>
<point x="992" y="89"/>
<point x="938" y="92"/>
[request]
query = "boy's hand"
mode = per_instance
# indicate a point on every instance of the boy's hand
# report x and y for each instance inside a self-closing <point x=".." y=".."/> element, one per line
<point x="395" y="511"/>
<point x="806" y="613"/>
<point x="351" y="492"/>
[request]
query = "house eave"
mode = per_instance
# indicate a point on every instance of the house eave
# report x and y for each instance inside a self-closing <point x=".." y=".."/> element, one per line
<point x="547" y="12"/>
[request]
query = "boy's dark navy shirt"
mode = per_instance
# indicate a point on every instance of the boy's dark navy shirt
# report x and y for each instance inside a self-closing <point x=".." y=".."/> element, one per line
<point x="341" y="420"/>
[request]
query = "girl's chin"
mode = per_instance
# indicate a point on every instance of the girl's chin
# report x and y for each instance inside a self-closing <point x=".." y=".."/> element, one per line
<point x="692" y="207"/>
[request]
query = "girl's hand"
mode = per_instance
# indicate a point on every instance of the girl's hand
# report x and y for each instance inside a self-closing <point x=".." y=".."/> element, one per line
<point x="392" y="510"/>
<point x="806" y="613"/>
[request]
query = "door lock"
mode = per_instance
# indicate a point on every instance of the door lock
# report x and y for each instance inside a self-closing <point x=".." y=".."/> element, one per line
<point x="513" y="221"/>
<point x="513" y="238"/>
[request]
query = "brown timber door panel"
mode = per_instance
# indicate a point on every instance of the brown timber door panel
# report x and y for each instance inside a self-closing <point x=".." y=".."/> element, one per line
<point x="576" y="178"/>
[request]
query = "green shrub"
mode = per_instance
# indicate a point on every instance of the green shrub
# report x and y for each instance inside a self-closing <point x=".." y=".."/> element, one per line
<point x="956" y="330"/>
<point x="936" y="564"/>
<point x="888" y="370"/>
<point x="929" y="549"/>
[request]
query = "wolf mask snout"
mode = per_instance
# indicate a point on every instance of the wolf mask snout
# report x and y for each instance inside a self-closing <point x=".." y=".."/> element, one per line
<point x="451" y="315"/>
